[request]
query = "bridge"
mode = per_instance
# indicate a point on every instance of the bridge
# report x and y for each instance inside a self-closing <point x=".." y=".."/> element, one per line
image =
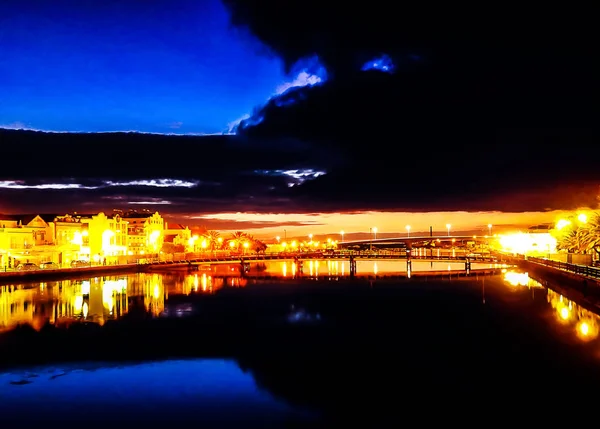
<point x="338" y="255"/>
<point x="408" y="241"/>
<point x="195" y="262"/>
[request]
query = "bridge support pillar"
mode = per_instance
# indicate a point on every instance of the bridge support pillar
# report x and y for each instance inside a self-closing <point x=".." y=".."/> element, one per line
<point x="468" y="266"/>
<point x="408" y="268"/>
<point x="352" y="266"/>
<point x="244" y="267"/>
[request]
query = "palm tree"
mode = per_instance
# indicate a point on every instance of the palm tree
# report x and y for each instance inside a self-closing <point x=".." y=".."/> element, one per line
<point x="212" y="237"/>
<point x="591" y="239"/>
<point x="571" y="242"/>
<point x="238" y="238"/>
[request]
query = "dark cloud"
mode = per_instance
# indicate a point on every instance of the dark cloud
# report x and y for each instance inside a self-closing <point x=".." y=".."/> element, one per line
<point x="448" y="34"/>
<point x="88" y="172"/>
<point x="481" y="112"/>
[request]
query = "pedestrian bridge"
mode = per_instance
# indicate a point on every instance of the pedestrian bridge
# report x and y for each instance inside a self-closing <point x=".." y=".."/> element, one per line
<point x="338" y="255"/>
<point x="410" y="241"/>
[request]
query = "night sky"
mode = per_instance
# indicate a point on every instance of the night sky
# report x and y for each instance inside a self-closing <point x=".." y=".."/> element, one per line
<point x="151" y="66"/>
<point x="416" y="109"/>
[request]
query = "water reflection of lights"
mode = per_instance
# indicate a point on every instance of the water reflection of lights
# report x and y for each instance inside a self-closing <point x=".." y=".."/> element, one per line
<point x="206" y="280"/>
<point x="78" y="304"/>
<point x="514" y="278"/>
<point x="375" y="268"/>
<point x="585" y="322"/>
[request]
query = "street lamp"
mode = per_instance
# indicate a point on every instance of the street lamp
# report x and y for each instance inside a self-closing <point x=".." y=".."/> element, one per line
<point x="310" y="236"/>
<point x="448" y="226"/>
<point x="490" y="229"/>
<point x="407" y="231"/>
<point x="375" y="232"/>
<point x="278" y="238"/>
<point x="342" y="234"/>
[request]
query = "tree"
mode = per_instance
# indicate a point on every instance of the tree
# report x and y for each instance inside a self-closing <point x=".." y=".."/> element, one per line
<point x="238" y="239"/>
<point x="213" y="239"/>
<point x="258" y="246"/>
<point x="591" y="239"/>
<point x="577" y="237"/>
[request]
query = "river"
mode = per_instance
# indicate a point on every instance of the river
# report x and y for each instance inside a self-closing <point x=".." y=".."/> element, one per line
<point x="214" y="349"/>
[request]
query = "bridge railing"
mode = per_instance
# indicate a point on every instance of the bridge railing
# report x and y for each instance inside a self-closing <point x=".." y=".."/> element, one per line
<point x="206" y="257"/>
<point x="583" y="270"/>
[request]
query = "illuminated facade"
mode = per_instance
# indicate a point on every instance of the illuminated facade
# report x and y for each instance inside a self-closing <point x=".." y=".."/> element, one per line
<point x="145" y="232"/>
<point x="25" y="238"/>
<point x="97" y="238"/>
<point x="177" y="237"/>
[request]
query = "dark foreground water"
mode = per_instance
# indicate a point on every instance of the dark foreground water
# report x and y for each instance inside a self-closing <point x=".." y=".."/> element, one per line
<point x="209" y="392"/>
<point x="210" y="351"/>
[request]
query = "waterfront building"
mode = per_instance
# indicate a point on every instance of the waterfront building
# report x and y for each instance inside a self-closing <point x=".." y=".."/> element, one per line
<point x="145" y="232"/>
<point x="97" y="238"/>
<point x="25" y="238"/>
<point x="177" y="238"/>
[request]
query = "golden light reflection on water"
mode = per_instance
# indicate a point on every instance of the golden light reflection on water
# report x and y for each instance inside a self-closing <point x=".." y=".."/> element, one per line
<point x="585" y="323"/>
<point x="516" y="279"/>
<point x="100" y="299"/>
<point x="341" y="267"/>
<point x="96" y="300"/>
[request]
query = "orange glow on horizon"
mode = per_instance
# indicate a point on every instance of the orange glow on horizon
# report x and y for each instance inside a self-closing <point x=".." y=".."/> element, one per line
<point x="387" y="222"/>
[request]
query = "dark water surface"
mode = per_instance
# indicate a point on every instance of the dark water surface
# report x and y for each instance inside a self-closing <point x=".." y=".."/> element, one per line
<point x="240" y="352"/>
<point x="215" y="393"/>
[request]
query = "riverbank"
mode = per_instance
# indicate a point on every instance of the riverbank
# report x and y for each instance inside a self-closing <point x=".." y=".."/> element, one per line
<point x="68" y="273"/>
<point x="579" y="288"/>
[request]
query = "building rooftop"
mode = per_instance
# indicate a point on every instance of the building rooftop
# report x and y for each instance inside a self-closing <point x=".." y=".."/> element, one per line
<point x="27" y="218"/>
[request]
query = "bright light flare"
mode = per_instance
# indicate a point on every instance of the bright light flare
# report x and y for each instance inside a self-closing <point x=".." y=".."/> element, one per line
<point x="516" y="279"/>
<point x="562" y="223"/>
<point x="528" y="243"/>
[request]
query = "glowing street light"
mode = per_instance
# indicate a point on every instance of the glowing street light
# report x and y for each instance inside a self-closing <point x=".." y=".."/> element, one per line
<point x="407" y="230"/>
<point x="310" y="236"/>
<point x="582" y="217"/>
<point x="342" y="234"/>
<point x="448" y="226"/>
<point x="490" y="229"/>
<point x="375" y="232"/>
<point x="562" y="223"/>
